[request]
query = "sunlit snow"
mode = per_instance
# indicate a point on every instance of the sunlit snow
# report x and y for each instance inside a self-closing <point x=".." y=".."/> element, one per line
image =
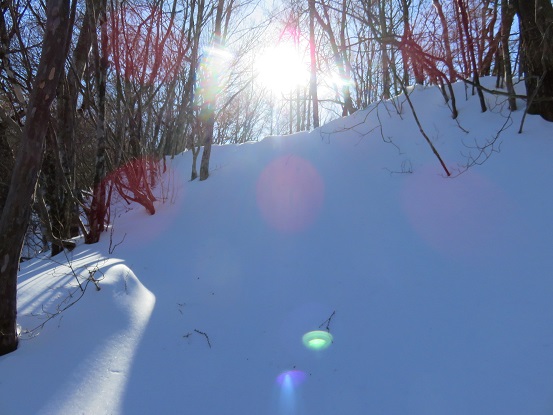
<point x="437" y="292"/>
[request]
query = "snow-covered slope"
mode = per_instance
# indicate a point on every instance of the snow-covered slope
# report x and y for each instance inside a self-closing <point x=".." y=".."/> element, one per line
<point x="437" y="291"/>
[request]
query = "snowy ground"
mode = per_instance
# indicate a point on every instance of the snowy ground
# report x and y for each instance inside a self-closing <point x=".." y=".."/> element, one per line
<point x="437" y="291"/>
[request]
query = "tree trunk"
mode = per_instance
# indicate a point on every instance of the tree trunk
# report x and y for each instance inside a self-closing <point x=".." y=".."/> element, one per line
<point x="68" y="102"/>
<point x="507" y="15"/>
<point x="6" y="153"/>
<point x="52" y="176"/>
<point x="339" y="58"/>
<point x="208" y="140"/>
<point x="536" y="19"/>
<point x="211" y="98"/>
<point x="462" y="7"/>
<point x="462" y="49"/>
<point x="17" y="210"/>
<point x="386" y="80"/>
<point x="98" y="208"/>
<point x="313" y="63"/>
<point x="405" y="76"/>
<point x="6" y="164"/>
<point x="447" y="45"/>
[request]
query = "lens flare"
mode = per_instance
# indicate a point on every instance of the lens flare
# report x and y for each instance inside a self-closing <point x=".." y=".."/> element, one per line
<point x="291" y="378"/>
<point x="289" y="382"/>
<point x="317" y="340"/>
<point x="454" y="216"/>
<point x="214" y="71"/>
<point x="281" y="68"/>
<point x="290" y="194"/>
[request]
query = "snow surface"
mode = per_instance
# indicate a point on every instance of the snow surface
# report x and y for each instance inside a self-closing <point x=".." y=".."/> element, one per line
<point x="437" y="291"/>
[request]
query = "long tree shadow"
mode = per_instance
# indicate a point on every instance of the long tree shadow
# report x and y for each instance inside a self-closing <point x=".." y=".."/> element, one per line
<point x="79" y="360"/>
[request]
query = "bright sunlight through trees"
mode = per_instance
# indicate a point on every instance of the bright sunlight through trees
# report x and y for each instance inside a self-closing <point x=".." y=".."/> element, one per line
<point x="281" y="68"/>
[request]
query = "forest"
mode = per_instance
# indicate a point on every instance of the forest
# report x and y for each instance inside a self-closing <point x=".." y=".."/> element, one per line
<point x="96" y="94"/>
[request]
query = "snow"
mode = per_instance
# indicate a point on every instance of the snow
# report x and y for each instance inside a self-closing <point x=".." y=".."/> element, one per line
<point x="437" y="291"/>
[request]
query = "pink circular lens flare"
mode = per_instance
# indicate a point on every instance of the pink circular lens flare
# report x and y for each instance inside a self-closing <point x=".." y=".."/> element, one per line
<point x="290" y="194"/>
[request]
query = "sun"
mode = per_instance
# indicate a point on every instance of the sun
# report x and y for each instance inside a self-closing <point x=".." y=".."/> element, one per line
<point x="281" y="68"/>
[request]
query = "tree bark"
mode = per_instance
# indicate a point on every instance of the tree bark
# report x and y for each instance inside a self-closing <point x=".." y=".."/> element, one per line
<point x="386" y="61"/>
<point x="462" y="7"/>
<point x="507" y="15"/>
<point x="211" y="97"/>
<point x="447" y="45"/>
<point x="536" y="19"/>
<point x="16" y="213"/>
<point x="98" y="208"/>
<point x="67" y="108"/>
<point x="313" y="63"/>
<point x="6" y="163"/>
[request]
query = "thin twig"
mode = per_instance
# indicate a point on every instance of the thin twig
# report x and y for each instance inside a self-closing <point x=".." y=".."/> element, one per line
<point x="529" y="102"/>
<point x="420" y="126"/>
<point x="205" y="335"/>
<point x="327" y="321"/>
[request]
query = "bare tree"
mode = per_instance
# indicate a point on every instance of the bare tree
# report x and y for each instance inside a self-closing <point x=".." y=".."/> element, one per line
<point x="507" y="15"/>
<point x="98" y="208"/>
<point x="536" y="20"/>
<point x="16" y="212"/>
<point x="70" y="90"/>
<point x="313" y="65"/>
<point x="464" y="23"/>
<point x="210" y="94"/>
<point x="338" y="45"/>
<point x="446" y="41"/>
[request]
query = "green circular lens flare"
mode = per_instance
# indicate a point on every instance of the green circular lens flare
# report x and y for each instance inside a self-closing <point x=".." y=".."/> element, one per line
<point x="317" y="340"/>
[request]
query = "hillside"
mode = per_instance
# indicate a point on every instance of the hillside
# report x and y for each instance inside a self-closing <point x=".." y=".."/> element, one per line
<point x="437" y="291"/>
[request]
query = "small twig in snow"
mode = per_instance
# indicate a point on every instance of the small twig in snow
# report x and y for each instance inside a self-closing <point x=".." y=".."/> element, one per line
<point x="327" y="321"/>
<point x="205" y="335"/>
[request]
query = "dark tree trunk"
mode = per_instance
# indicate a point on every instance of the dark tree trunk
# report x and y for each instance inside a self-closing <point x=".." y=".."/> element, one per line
<point x="405" y="58"/>
<point x="194" y="171"/>
<point x="462" y="7"/>
<point x="447" y="45"/>
<point x="6" y="153"/>
<point x="68" y="100"/>
<point x="211" y="99"/>
<point x="507" y="16"/>
<point x="51" y="177"/>
<point x="386" y="61"/>
<point x="6" y="164"/>
<point x="462" y="49"/>
<point x="536" y="19"/>
<point x="17" y="210"/>
<point x="98" y="209"/>
<point x="208" y="140"/>
<point x="313" y="65"/>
